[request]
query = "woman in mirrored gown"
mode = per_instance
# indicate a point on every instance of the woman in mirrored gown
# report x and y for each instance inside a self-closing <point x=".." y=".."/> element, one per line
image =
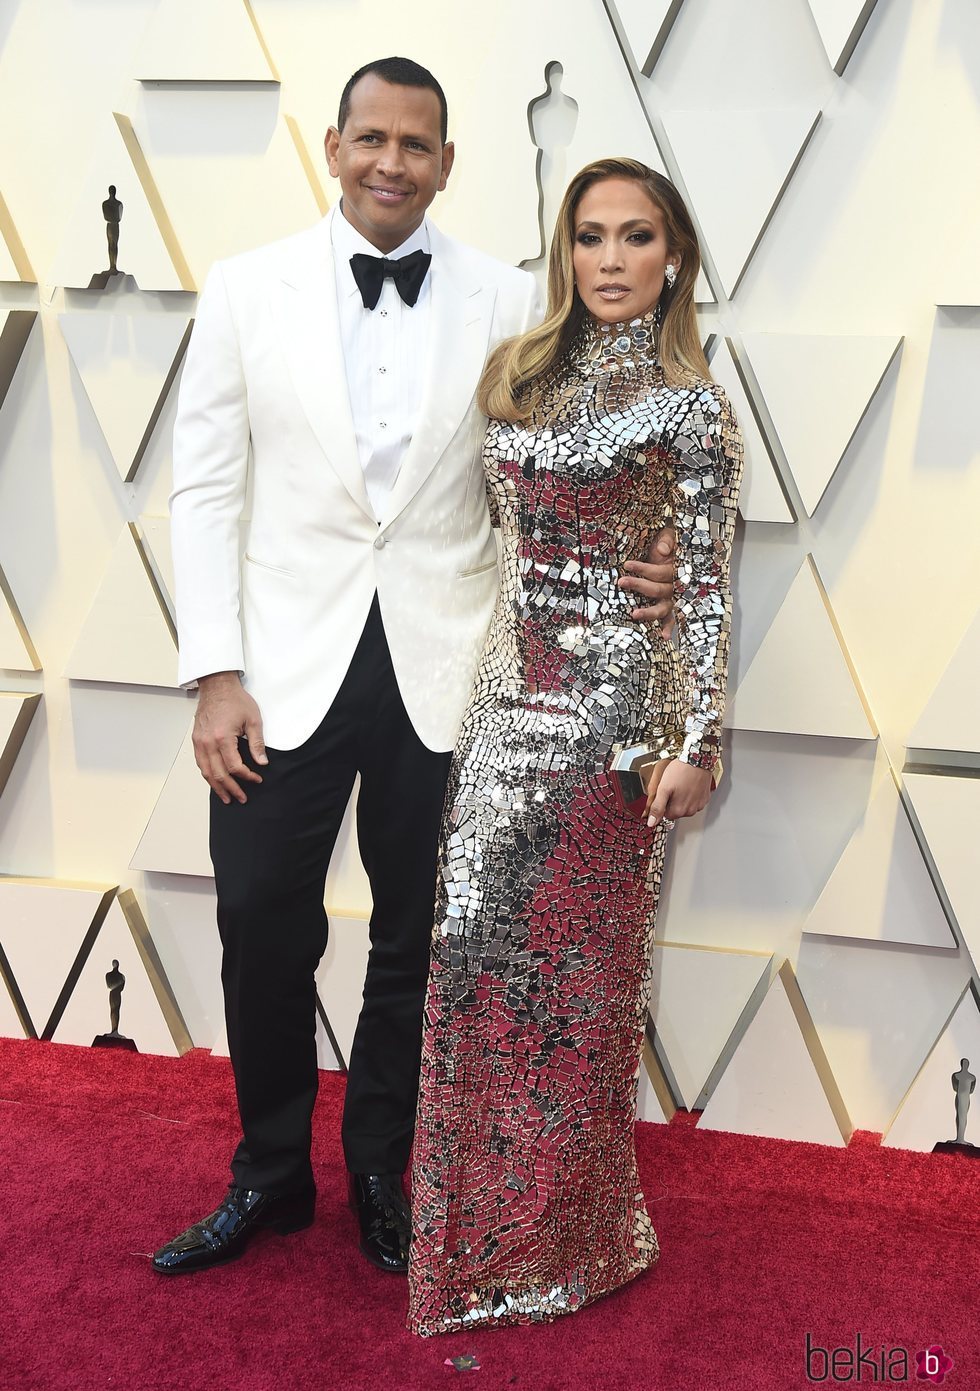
<point x="604" y="426"/>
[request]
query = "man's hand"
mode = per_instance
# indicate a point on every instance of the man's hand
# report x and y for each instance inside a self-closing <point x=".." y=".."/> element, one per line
<point x="225" y="711"/>
<point x="654" y="579"/>
<point x="676" y="789"/>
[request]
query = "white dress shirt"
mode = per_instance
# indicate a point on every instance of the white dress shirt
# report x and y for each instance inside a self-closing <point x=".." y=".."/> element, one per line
<point x="384" y="353"/>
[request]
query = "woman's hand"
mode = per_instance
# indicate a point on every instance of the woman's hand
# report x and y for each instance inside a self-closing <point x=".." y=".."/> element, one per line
<point x="676" y="789"/>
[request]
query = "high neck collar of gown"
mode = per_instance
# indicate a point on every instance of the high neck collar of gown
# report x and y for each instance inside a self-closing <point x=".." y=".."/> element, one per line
<point x="603" y="347"/>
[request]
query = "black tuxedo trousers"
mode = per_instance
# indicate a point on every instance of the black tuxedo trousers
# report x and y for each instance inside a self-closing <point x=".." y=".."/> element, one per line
<point x="270" y="860"/>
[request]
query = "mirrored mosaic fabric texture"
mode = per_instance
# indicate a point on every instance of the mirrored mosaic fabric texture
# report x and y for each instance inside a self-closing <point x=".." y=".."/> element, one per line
<point x="526" y="1195"/>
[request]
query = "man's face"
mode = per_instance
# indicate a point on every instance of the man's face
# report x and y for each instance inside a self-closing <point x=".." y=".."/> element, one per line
<point x="389" y="158"/>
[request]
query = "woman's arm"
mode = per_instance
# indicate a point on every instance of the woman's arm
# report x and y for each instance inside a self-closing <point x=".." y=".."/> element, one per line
<point x="707" y="471"/>
<point x="707" y="459"/>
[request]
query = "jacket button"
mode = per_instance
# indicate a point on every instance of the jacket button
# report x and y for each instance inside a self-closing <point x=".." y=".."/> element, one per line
<point x="379" y="544"/>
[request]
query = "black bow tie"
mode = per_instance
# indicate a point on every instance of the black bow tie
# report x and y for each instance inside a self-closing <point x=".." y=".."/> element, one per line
<point x="407" y="272"/>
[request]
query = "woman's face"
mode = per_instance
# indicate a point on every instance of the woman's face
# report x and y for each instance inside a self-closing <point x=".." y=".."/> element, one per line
<point x="620" y="250"/>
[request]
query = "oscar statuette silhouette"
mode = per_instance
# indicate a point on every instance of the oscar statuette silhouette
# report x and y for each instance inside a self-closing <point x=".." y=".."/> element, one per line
<point x="112" y="211"/>
<point x="116" y="984"/>
<point x="963" y="1083"/>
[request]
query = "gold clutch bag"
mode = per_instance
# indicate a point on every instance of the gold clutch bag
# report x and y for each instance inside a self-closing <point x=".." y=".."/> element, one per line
<point x="632" y="765"/>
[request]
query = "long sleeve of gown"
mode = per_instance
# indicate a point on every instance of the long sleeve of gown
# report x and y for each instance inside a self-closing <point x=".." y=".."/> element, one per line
<point x="707" y="459"/>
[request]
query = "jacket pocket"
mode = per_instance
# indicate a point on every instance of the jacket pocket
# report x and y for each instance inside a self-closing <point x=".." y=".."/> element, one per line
<point x="264" y="565"/>
<point x="479" y="570"/>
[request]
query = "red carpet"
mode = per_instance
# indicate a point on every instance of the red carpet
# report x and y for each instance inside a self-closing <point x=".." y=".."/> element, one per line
<point x="104" y="1155"/>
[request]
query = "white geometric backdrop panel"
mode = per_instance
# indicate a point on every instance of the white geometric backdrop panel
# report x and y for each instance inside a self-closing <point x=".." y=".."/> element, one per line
<point x="816" y="967"/>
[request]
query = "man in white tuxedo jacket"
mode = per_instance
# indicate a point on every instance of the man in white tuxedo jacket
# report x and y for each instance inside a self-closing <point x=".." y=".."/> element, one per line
<point x="335" y="372"/>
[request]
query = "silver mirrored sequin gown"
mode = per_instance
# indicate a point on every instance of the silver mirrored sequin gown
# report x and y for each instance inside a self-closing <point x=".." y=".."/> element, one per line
<point x="526" y="1197"/>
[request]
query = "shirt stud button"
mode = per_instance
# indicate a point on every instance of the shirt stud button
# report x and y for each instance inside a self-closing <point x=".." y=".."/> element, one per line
<point x="379" y="544"/>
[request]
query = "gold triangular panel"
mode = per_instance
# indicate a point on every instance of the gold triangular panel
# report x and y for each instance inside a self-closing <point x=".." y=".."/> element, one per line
<point x="861" y="992"/>
<point x="840" y="24"/>
<point x="14" y="264"/>
<point x="17" y="325"/>
<point x="815" y="426"/>
<point x="929" y="1113"/>
<point x="155" y="536"/>
<point x="218" y="41"/>
<point x="654" y="1100"/>
<point x="800" y="681"/>
<point x="949" y="720"/>
<point x="46" y="927"/>
<point x="947" y="810"/>
<point x="309" y="168"/>
<point x="880" y="889"/>
<point x="959" y="275"/>
<point x="17" y="652"/>
<point x="128" y="636"/>
<point x="700" y="996"/>
<point x="736" y="170"/>
<point x="646" y="26"/>
<point x="119" y="995"/>
<point x="778" y="1082"/>
<point x="175" y="839"/>
<point x="16" y="712"/>
<point x="127" y="364"/>
<point x="15" y="1021"/>
<point x="329" y="1057"/>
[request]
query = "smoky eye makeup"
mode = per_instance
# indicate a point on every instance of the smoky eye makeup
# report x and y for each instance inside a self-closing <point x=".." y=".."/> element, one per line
<point x="640" y="237"/>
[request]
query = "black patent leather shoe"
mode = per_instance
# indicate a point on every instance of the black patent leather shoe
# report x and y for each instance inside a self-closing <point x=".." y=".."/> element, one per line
<point x="385" y="1219"/>
<point x="226" y="1232"/>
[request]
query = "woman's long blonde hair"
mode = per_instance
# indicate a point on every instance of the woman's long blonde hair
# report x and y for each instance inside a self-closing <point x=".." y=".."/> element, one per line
<point x="507" y="387"/>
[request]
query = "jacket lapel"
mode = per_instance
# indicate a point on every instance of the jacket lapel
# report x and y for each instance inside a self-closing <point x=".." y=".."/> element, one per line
<point x="459" y="329"/>
<point x="314" y="355"/>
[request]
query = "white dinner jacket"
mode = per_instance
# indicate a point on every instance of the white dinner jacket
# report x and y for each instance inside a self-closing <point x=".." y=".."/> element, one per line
<point x="263" y="406"/>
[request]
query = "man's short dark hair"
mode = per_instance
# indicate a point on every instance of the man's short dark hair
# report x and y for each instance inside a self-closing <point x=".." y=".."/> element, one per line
<point x="400" y="72"/>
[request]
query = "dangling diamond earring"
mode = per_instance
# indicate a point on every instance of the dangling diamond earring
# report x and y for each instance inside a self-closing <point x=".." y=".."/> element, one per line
<point x="670" y="275"/>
